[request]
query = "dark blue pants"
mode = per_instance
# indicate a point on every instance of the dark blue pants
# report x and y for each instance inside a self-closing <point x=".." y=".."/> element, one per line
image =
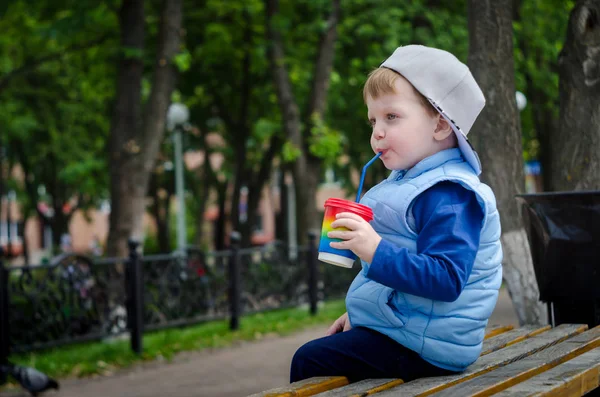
<point x="358" y="354"/>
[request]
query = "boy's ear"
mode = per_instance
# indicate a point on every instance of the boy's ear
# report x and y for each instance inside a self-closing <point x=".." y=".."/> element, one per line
<point x="442" y="130"/>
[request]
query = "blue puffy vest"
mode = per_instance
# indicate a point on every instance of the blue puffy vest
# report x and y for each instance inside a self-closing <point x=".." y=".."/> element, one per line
<point x="446" y="334"/>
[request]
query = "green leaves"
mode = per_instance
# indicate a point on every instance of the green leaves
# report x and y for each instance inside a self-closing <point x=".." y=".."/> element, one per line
<point x="324" y="142"/>
<point x="183" y="61"/>
<point x="132" y="53"/>
<point x="57" y="102"/>
<point x="290" y="152"/>
<point x="264" y="128"/>
<point x="58" y="80"/>
<point x="540" y="33"/>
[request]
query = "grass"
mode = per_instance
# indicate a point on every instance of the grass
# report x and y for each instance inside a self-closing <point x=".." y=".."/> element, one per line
<point x="103" y="358"/>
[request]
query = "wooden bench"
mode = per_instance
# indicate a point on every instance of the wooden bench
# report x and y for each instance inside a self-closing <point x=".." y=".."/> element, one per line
<point x="545" y="361"/>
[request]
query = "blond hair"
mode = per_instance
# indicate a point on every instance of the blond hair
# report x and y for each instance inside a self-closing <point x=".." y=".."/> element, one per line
<point x="381" y="82"/>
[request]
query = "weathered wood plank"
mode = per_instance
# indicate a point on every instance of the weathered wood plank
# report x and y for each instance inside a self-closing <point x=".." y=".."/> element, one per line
<point x="363" y="388"/>
<point x="517" y="372"/>
<point x="511" y="337"/>
<point x="372" y="386"/>
<point x="487" y="363"/>
<point x="495" y="330"/>
<point x="306" y="387"/>
<point x="573" y="378"/>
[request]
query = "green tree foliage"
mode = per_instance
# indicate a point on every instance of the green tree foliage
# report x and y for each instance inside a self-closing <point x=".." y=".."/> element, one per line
<point x="54" y="88"/>
<point x="57" y="83"/>
<point x="370" y="31"/>
<point x="228" y="90"/>
<point x="540" y="31"/>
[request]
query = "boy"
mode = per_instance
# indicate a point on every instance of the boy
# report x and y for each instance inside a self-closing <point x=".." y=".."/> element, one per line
<point x="431" y="258"/>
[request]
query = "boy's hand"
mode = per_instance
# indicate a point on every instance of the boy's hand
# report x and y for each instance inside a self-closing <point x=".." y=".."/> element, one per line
<point x="340" y="325"/>
<point x="361" y="238"/>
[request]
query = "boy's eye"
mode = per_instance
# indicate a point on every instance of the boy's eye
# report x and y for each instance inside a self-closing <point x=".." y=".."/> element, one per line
<point x="371" y="122"/>
<point x="391" y="116"/>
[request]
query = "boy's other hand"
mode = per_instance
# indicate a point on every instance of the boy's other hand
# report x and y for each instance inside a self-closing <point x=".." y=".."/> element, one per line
<point x="360" y="237"/>
<point x="342" y="324"/>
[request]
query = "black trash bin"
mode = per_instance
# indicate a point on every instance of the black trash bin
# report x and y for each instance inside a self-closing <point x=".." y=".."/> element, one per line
<point x="563" y="230"/>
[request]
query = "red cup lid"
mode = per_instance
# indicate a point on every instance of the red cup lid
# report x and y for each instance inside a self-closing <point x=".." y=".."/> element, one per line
<point x="357" y="208"/>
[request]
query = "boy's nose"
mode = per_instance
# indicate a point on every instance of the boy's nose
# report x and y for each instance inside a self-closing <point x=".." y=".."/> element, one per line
<point x="378" y="132"/>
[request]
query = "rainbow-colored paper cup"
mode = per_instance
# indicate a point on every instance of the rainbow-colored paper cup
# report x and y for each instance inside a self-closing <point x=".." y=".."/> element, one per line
<point x="334" y="206"/>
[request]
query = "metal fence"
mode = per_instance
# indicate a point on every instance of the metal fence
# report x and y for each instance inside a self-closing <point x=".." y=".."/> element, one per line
<point x="70" y="300"/>
<point x="75" y="299"/>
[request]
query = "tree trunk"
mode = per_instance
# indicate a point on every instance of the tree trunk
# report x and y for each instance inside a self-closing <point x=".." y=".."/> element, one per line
<point x="498" y="126"/>
<point x="201" y="209"/>
<point x="256" y="185"/>
<point x="285" y="97"/>
<point x="59" y="223"/>
<point x="307" y="168"/>
<point x="201" y="206"/>
<point x="307" y="172"/>
<point x="220" y="225"/>
<point x="240" y="127"/>
<point x="162" y="224"/>
<point x="160" y="211"/>
<point x="24" y="234"/>
<point x="134" y="142"/>
<point x="125" y="128"/>
<point x="574" y="146"/>
<point x="241" y="132"/>
<point x="238" y="179"/>
<point x="204" y="179"/>
<point x="281" y="223"/>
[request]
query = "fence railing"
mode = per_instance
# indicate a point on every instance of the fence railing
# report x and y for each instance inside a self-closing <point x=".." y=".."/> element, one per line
<point x="75" y="299"/>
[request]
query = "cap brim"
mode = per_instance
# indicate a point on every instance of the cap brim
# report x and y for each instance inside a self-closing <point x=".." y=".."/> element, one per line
<point x="467" y="151"/>
<point x="464" y="145"/>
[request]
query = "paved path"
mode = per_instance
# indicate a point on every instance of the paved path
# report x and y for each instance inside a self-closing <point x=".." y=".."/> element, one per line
<point x="231" y="372"/>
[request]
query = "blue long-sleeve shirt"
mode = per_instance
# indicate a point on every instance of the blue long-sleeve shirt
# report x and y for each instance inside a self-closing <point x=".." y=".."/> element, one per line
<point x="448" y="222"/>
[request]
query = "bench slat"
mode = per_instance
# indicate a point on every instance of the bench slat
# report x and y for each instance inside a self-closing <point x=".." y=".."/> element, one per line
<point x="573" y="378"/>
<point x="306" y="387"/>
<point x="517" y="372"/>
<point x="495" y="330"/>
<point x="489" y="362"/>
<point x="363" y="388"/>
<point x="372" y="386"/>
<point x="511" y="337"/>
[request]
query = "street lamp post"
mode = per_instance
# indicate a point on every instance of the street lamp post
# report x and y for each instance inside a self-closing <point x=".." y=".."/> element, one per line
<point x="177" y="117"/>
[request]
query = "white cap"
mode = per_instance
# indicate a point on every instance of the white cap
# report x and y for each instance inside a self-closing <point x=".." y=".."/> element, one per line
<point x="448" y="84"/>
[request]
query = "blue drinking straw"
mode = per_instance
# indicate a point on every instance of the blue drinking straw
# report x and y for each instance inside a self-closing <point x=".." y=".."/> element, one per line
<point x="362" y="176"/>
